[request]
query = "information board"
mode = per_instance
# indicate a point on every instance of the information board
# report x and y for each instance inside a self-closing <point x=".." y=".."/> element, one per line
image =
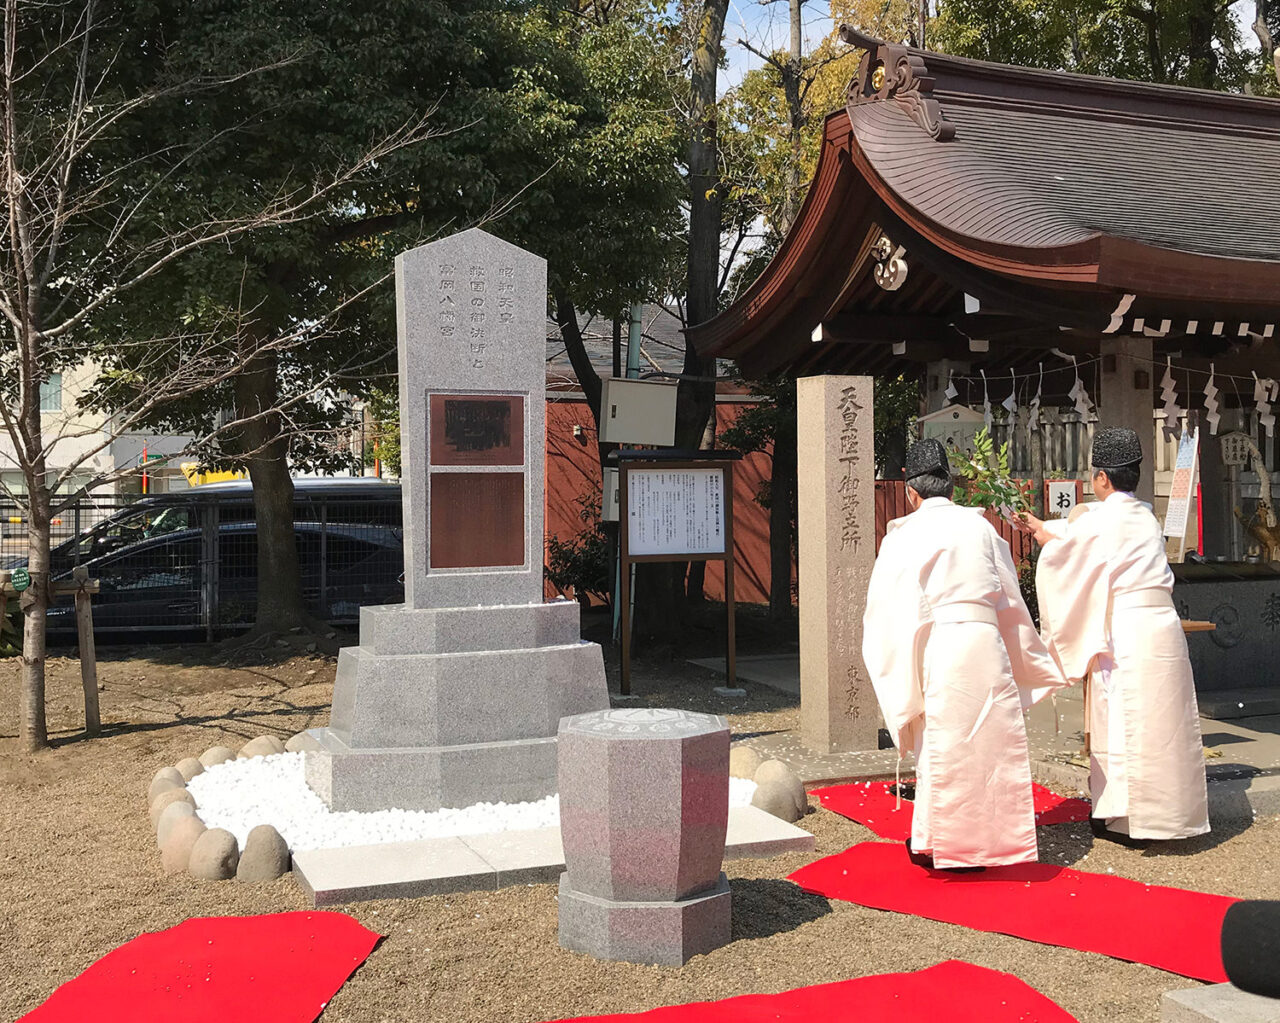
<point x="675" y="511"/>
<point x="1183" y="488"/>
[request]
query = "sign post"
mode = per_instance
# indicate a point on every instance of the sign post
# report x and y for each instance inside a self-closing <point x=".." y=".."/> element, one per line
<point x="1182" y="491"/>
<point x="675" y="509"/>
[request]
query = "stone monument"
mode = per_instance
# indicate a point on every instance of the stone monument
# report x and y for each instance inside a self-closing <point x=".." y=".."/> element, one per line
<point x="644" y="807"/>
<point x="454" y="697"/>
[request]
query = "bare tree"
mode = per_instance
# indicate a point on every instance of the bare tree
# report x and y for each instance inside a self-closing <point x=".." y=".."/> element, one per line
<point x="85" y="223"/>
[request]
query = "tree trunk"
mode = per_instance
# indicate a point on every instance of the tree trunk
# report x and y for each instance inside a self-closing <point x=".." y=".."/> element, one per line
<point x="35" y="605"/>
<point x="791" y="90"/>
<point x="1202" y="18"/>
<point x="782" y="493"/>
<point x="280" y="604"/>
<point x="1262" y="29"/>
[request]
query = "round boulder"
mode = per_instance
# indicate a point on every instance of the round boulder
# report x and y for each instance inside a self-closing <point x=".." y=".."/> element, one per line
<point x="189" y="768"/>
<point x="215" y="855"/>
<point x="743" y="762"/>
<point x="165" y="779"/>
<point x="170" y="816"/>
<point x="166" y="799"/>
<point x="776" y="772"/>
<point x="175" y="854"/>
<point x="265" y="856"/>
<point x="217" y="755"/>
<point x="262" y="746"/>
<point x="300" y="743"/>
<point x="776" y="798"/>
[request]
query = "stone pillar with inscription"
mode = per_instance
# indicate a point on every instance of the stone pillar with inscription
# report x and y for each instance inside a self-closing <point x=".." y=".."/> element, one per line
<point x="837" y="521"/>
<point x="454" y="697"/>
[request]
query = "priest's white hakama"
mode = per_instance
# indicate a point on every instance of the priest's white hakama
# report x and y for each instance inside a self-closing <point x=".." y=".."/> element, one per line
<point x="1105" y="586"/>
<point x="955" y="661"/>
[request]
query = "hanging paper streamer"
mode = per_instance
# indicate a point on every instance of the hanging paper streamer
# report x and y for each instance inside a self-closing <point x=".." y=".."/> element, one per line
<point x="951" y="393"/>
<point x="1011" y="403"/>
<point x="1033" y="411"/>
<point x="1078" y="394"/>
<point x="986" y="401"/>
<point x="1211" y="404"/>
<point x="1169" y="395"/>
<point x="1262" y="396"/>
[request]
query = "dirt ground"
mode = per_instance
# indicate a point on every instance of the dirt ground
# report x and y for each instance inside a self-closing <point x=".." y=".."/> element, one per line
<point x="80" y="873"/>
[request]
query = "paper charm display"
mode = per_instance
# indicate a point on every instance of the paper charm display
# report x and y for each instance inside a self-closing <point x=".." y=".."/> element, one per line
<point x="1033" y="411"/>
<point x="1211" y="404"/>
<point x="1262" y="397"/>
<point x="1078" y="394"/>
<point x="1011" y="403"/>
<point x="951" y="393"/>
<point x="986" y="401"/>
<point x="1169" y="395"/>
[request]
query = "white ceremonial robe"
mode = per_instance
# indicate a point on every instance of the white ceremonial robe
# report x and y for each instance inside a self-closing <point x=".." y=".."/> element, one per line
<point x="955" y="660"/>
<point x="1106" y="609"/>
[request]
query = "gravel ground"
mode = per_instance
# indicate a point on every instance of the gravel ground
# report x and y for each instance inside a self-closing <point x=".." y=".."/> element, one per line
<point x="80" y="874"/>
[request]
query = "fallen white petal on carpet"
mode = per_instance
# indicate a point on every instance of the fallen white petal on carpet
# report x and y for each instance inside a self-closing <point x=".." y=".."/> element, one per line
<point x="241" y="794"/>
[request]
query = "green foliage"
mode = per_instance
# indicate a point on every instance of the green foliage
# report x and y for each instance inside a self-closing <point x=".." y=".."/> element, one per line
<point x="11" y="630"/>
<point x="897" y="404"/>
<point x="581" y="563"/>
<point x="384" y="409"/>
<point x="984" y="480"/>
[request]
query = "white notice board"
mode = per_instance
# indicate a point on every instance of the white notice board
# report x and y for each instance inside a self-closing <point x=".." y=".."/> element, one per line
<point x="675" y="511"/>
<point x="1183" y="489"/>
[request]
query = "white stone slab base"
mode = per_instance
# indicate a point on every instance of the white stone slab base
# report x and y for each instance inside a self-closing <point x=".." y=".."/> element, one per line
<point x="650" y="933"/>
<point x="1217" y="1003"/>
<point x="439" y="866"/>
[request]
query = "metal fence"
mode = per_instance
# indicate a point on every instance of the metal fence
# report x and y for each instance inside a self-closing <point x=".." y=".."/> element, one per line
<point x="189" y="564"/>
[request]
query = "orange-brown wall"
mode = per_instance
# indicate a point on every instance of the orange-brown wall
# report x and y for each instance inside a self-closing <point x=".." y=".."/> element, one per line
<point x="573" y="469"/>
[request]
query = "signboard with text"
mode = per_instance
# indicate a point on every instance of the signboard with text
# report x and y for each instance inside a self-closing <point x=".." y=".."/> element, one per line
<point x="1060" y="496"/>
<point x="675" y="511"/>
<point x="1183" y="488"/>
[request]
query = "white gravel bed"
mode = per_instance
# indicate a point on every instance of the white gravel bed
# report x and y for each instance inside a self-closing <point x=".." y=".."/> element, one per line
<point x="241" y="794"/>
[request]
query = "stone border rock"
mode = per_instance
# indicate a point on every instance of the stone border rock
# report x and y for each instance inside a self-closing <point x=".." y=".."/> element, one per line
<point x="779" y="790"/>
<point x="188" y="846"/>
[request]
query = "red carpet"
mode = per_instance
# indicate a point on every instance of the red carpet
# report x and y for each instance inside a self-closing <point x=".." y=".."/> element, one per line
<point x="951" y="992"/>
<point x="872" y="804"/>
<point x="279" y="968"/>
<point x="1169" y="928"/>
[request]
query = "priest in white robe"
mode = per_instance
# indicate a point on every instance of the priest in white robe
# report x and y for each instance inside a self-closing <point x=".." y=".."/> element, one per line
<point x="955" y="661"/>
<point x="1106" y="610"/>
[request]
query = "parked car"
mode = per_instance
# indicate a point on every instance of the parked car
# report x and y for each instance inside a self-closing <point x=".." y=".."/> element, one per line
<point x="189" y="561"/>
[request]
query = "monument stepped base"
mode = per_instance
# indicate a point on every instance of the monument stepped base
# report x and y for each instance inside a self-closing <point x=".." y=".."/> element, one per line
<point x="430" y="777"/>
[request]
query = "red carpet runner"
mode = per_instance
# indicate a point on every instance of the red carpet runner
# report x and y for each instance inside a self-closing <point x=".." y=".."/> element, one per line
<point x="951" y="992"/>
<point x="1169" y="928"/>
<point x="279" y="968"/>
<point x="872" y="804"/>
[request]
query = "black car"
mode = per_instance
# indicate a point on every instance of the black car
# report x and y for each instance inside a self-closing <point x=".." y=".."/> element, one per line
<point x="189" y="561"/>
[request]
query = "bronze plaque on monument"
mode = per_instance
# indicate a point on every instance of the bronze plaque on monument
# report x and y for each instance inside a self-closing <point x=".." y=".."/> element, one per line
<point x="477" y="519"/>
<point x="477" y="429"/>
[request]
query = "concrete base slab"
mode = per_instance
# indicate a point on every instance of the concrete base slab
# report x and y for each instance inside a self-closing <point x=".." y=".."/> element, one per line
<point x="651" y="933"/>
<point x="438" y="866"/>
<point x="1229" y="704"/>
<point x="401" y="870"/>
<point x="778" y="671"/>
<point x="1217" y="1003"/>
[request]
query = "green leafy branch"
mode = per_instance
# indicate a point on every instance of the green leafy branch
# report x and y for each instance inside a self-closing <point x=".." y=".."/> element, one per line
<point x="984" y="480"/>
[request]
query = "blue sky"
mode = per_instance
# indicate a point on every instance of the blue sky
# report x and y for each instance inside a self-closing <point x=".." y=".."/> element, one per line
<point x="767" y="28"/>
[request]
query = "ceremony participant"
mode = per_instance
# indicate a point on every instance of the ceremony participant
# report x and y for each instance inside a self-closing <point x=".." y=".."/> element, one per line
<point x="1106" y="611"/>
<point x="955" y="660"/>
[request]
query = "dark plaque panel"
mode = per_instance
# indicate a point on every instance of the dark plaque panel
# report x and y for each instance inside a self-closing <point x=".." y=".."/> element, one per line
<point x="477" y="519"/>
<point x="477" y="429"/>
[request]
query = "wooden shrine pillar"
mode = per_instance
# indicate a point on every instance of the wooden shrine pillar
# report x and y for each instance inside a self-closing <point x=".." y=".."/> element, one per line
<point x="1124" y="399"/>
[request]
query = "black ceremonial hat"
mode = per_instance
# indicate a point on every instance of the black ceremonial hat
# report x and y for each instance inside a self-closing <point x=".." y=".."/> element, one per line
<point x="1115" y="447"/>
<point x="927" y="458"/>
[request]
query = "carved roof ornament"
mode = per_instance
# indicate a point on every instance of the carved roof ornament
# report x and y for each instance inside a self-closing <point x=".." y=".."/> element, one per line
<point x="891" y="72"/>
<point x="891" y="269"/>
